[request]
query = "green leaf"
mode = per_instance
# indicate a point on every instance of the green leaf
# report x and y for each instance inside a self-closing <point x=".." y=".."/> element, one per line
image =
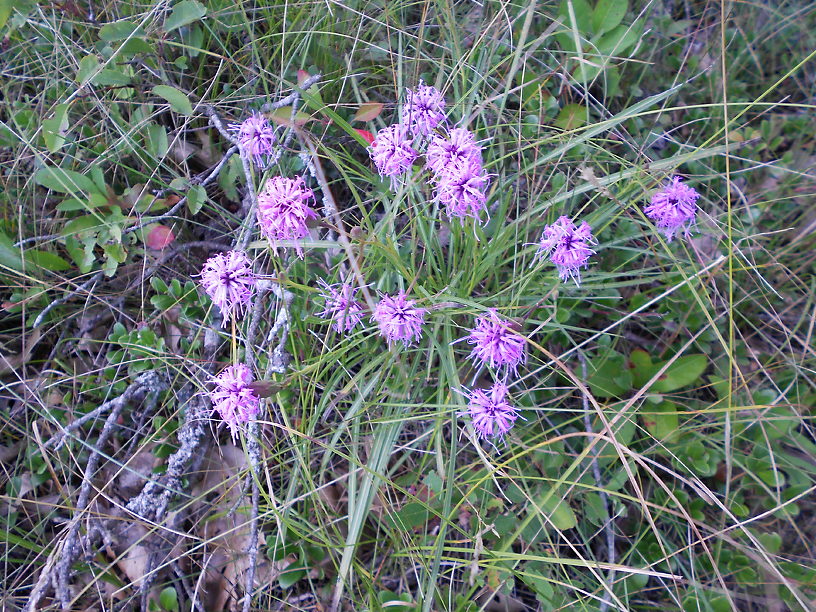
<point x="559" y="511"/>
<point x="5" y="11"/>
<point x="9" y="254"/>
<point x="293" y="573"/>
<point x="582" y="12"/>
<point x="661" y="420"/>
<point x="120" y="30"/>
<point x="196" y="198"/>
<point x="88" y="65"/>
<point x="619" y="40"/>
<point x="681" y="373"/>
<point x="178" y="100"/>
<point x="54" y="129"/>
<point x="608" y="376"/>
<point x="183" y="13"/>
<point x="156" y="140"/>
<point x="168" y="599"/>
<point x="46" y="260"/>
<point x="608" y="14"/>
<point x="82" y="224"/>
<point x="108" y="77"/>
<point x="571" y="117"/>
<point x="64" y="181"/>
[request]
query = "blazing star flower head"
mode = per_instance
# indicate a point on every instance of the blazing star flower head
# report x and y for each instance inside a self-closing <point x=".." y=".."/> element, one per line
<point x="233" y="398"/>
<point x="444" y="153"/>
<point x="567" y="246"/>
<point x="673" y="207"/>
<point x="493" y="416"/>
<point x="424" y="109"/>
<point x="283" y="209"/>
<point x="399" y="319"/>
<point x="461" y="189"/>
<point x="495" y="344"/>
<point x="392" y="152"/>
<point x="256" y="137"/>
<point x="230" y="282"/>
<point x="341" y="308"/>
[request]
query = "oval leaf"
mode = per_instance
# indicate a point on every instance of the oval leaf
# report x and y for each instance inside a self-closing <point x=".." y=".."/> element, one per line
<point x="183" y="13"/>
<point x="120" y="30"/>
<point x="608" y="14"/>
<point x="64" y="181"/>
<point x="179" y="102"/>
<point x="368" y="111"/>
<point x="160" y="237"/>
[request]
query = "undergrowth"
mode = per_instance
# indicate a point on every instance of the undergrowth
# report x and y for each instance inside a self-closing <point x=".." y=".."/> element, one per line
<point x="664" y="457"/>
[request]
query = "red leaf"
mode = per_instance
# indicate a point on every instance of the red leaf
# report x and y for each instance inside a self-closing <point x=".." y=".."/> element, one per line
<point x="160" y="237"/>
<point x="368" y="111"/>
<point x="303" y="76"/>
<point x="283" y="116"/>
<point x="369" y="137"/>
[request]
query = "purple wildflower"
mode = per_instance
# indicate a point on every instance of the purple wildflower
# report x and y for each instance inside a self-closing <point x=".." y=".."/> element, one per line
<point x="494" y="343"/>
<point x="392" y="152"/>
<point x="256" y="137"/>
<point x="567" y="246"/>
<point x="341" y="308"/>
<point x="673" y="207"/>
<point x="424" y="109"/>
<point x="461" y="189"/>
<point x="233" y="397"/>
<point x="399" y="319"/>
<point x="493" y="416"/>
<point x="443" y="153"/>
<point x="283" y="209"/>
<point x="230" y="282"/>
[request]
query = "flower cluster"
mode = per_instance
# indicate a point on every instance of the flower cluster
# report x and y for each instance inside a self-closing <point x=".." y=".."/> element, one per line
<point x="568" y="247"/>
<point x="256" y="137"/>
<point x="341" y="307"/>
<point x="283" y="209"/>
<point x="492" y="415"/>
<point x="230" y="282"/>
<point x="453" y="160"/>
<point x="233" y="397"/>
<point x="673" y="208"/>
<point x="399" y="319"/>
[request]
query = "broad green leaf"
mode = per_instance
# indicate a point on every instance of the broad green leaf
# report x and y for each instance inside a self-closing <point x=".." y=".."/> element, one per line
<point x="120" y="30"/>
<point x="9" y="254"/>
<point x="661" y="420"/>
<point x="559" y="511"/>
<point x="64" y="181"/>
<point x="108" y="77"/>
<point x="186" y="11"/>
<point x="88" y="65"/>
<point x="582" y="12"/>
<point x="82" y="224"/>
<point x="46" y="260"/>
<point x="617" y="42"/>
<point x="89" y="72"/>
<point x="608" y="14"/>
<point x="5" y="11"/>
<point x="168" y="599"/>
<point x="54" y="129"/>
<point x="178" y="100"/>
<point x="196" y="198"/>
<point x="607" y="375"/>
<point x="683" y="372"/>
<point x="156" y="140"/>
<point x="571" y="117"/>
